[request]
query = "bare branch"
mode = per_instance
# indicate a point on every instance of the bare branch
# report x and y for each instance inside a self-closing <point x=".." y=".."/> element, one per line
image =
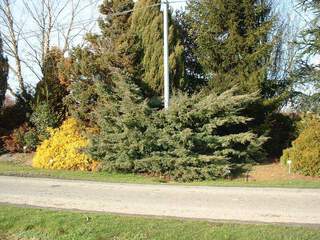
<point x="49" y="21"/>
<point x="12" y="40"/>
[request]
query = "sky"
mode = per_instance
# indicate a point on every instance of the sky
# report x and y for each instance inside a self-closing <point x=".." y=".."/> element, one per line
<point x="85" y="21"/>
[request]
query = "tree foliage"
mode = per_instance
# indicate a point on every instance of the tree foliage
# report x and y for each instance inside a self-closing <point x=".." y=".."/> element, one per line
<point x="307" y="75"/>
<point x="13" y="116"/>
<point x="199" y="137"/>
<point x="234" y="42"/>
<point x="129" y="46"/>
<point x="305" y="150"/>
<point x="311" y="35"/>
<point x="194" y="76"/>
<point x="208" y="132"/>
<point x="105" y="57"/>
<point x="4" y="70"/>
<point x="147" y="31"/>
<point x="49" y="90"/>
<point x="241" y="43"/>
<point x="43" y="118"/>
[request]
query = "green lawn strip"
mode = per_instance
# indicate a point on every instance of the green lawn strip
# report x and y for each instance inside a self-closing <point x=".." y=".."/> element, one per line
<point x="15" y="169"/>
<point x="36" y="224"/>
<point x="271" y="183"/>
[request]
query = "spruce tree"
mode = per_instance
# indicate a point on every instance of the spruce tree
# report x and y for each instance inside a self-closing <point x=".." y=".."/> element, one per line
<point x="310" y="37"/>
<point x="147" y="30"/>
<point x="194" y="76"/>
<point x="233" y="42"/>
<point x="114" y="26"/>
<point x="4" y="68"/>
<point x="308" y="71"/>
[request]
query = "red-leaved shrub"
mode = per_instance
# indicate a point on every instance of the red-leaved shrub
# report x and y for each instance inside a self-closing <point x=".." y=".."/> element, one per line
<point x="15" y="141"/>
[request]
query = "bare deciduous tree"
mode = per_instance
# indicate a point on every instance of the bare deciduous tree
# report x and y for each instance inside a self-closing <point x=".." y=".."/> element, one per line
<point x="53" y="22"/>
<point x="11" y="39"/>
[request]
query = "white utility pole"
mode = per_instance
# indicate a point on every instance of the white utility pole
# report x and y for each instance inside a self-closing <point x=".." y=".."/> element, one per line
<point x="165" y="10"/>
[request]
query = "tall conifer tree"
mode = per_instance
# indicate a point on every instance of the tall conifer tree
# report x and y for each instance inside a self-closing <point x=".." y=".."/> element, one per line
<point x="49" y="90"/>
<point x="4" y="68"/>
<point x="114" y="25"/>
<point x="308" y="72"/>
<point x="105" y="58"/>
<point x="234" y="43"/>
<point x="147" y="28"/>
<point x="194" y="76"/>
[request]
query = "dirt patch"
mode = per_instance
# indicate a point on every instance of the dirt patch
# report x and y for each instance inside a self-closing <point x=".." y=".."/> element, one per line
<point x="21" y="158"/>
<point x="275" y="171"/>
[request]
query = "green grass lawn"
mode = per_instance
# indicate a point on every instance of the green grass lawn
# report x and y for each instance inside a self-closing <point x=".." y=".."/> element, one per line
<point x="16" y="169"/>
<point x="35" y="224"/>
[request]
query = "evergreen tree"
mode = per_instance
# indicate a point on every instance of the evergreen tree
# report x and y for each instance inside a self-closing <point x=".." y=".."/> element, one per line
<point x="147" y="30"/>
<point x="201" y="137"/>
<point x="308" y="73"/>
<point x="4" y="70"/>
<point x="239" y="42"/>
<point x="49" y="89"/>
<point x="194" y="75"/>
<point x="114" y="39"/>
<point x="234" y="42"/>
<point x="49" y="109"/>
<point x="106" y="58"/>
<point x="204" y="136"/>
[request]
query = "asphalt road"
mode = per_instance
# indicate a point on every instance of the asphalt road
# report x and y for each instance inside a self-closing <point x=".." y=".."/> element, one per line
<point x="270" y="205"/>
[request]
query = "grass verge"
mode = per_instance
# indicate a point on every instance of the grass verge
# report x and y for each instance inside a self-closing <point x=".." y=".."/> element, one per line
<point x="26" y="224"/>
<point x="17" y="169"/>
<point x="20" y="170"/>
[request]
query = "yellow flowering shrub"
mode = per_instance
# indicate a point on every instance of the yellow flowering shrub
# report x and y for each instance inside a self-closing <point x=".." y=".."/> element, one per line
<point x="63" y="149"/>
<point x="305" y="150"/>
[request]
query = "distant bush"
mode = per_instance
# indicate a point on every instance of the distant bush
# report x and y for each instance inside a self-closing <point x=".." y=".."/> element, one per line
<point x="3" y="134"/>
<point x="198" y="138"/>
<point x="305" y="150"/>
<point x="12" y="117"/>
<point x="15" y="142"/>
<point x="17" y="133"/>
<point x="31" y="140"/>
<point x="21" y="139"/>
<point x="63" y="150"/>
<point x="13" y="125"/>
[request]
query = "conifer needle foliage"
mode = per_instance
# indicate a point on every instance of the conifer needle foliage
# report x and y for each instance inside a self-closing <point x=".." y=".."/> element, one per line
<point x="4" y="70"/>
<point x="234" y="42"/>
<point x="147" y="30"/>
<point x="200" y="137"/>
